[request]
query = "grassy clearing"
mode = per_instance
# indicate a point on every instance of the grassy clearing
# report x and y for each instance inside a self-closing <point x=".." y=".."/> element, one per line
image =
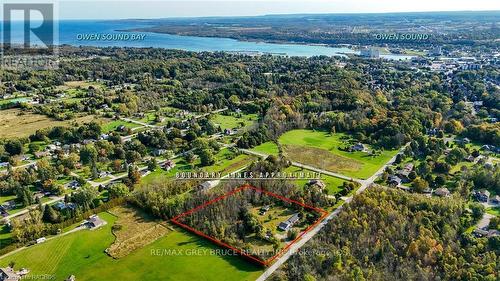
<point x="234" y="121"/>
<point x="133" y="230"/>
<point x="4" y="199"/>
<point x="5" y="236"/>
<point x="82" y="254"/>
<point x="16" y="123"/>
<point x="494" y="211"/>
<point x="322" y="150"/>
<point x="227" y="161"/>
<point x="112" y="125"/>
<point x="267" y="148"/>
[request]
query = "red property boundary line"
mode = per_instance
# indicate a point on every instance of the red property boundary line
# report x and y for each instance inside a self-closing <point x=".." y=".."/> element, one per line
<point x="239" y="251"/>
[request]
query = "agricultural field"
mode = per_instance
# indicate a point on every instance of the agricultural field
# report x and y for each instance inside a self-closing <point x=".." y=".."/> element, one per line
<point x="82" y="254"/>
<point x="16" y="123"/>
<point x="133" y="230"/>
<point x="322" y="150"/>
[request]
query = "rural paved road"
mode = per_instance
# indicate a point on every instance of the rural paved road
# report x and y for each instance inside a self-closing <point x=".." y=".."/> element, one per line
<point x="295" y="247"/>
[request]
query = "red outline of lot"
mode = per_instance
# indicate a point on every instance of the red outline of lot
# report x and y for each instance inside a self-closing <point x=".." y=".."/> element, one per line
<point x="239" y="251"/>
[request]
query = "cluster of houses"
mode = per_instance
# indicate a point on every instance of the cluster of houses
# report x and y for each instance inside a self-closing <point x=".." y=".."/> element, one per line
<point x="52" y="148"/>
<point x="401" y="176"/>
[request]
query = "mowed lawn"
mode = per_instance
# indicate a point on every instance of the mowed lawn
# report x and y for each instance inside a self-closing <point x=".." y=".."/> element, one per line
<point x="321" y="150"/>
<point x="113" y="125"/>
<point x="176" y="256"/>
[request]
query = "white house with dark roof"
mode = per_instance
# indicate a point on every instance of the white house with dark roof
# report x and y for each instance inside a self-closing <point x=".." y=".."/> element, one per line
<point x="286" y="225"/>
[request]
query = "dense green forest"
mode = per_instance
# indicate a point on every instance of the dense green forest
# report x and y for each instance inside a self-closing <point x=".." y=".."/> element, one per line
<point x="385" y="234"/>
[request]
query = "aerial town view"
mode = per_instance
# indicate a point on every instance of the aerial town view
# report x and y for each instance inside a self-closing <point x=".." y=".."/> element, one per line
<point x="244" y="140"/>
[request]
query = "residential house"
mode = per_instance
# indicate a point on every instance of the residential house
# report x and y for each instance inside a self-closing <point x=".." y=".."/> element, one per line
<point x="482" y="195"/>
<point x="41" y="154"/>
<point x="478" y="232"/>
<point x="286" y="225"/>
<point x="168" y="165"/>
<point x="94" y="222"/>
<point x="62" y="206"/>
<point x="230" y="132"/>
<point x="158" y="151"/>
<point x="205" y="186"/>
<point x="264" y="210"/>
<point x="404" y="173"/>
<point x="394" y="180"/>
<point x="317" y="183"/>
<point x="73" y="184"/>
<point x="4" y="164"/>
<point x="470" y="158"/>
<point x="443" y="192"/>
<point x="8" y="274"/>
<point x="495" y="200"/>
<point x="358" y="147"/>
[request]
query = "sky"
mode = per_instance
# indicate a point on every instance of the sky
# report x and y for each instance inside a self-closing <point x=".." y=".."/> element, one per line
<point x="114" y="9"/>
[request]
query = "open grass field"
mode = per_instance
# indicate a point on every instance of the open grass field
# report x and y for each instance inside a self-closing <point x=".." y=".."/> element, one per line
<point x="494" y="211"/>
<point x="176" y="256"/>
<point x="227" y="161"/>
<point x="6" y="198"/>
<point x="79" y="84"/>
<point x="112" y="125"/>
<point x="321" y="150"/>
<point x="133" y="230"/>
<point x="267" y="148"/>
<point x="5" y="236"/>
<point x="232" y="122"/>
<point x="16" y="123"/>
